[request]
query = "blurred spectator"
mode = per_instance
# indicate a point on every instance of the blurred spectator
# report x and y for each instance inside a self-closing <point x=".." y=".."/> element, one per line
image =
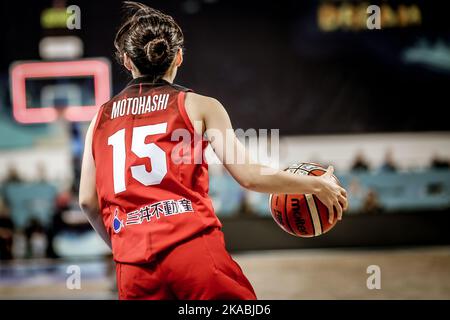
<point x="438" y="162"/>
<point x="12" y="175"/>
<point x="41" y="173"/>
<point x="371" y="204"/>
<point x="389" y="164"/>
<point x="355" y="189"/>
<point x="63" y="203"/>
<point x="6" y="232"/>
<point x="360" y="163"/>
<point x="36" y="239"/>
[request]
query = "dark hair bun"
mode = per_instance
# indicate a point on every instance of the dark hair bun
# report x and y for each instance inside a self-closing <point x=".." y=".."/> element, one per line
<point x="157" y="50"/>
<point x="150" y="39"/>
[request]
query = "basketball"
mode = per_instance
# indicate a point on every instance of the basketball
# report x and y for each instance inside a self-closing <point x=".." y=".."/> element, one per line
<point x="302" y="215"/>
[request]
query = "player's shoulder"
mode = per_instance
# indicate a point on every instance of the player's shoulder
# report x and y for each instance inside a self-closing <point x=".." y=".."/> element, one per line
<point x="178" y="87"/>
<point x="201" y="101"/>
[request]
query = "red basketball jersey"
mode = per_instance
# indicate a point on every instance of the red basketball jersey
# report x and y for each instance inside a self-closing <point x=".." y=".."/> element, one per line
<point x="152" y="190"/>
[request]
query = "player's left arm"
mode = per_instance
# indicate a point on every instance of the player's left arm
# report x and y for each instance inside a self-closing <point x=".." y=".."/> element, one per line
<point x="88" y="194"/>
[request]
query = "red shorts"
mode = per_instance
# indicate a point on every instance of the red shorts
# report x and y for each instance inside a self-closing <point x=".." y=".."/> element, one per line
<point x="198" y="269"/>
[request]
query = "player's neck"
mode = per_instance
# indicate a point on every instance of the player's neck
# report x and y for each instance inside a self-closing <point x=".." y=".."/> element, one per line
<point x="167" y="77"/>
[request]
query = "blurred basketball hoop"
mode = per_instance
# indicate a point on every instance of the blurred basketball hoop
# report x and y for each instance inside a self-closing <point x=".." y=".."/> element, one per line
<point x="45" y="91"/>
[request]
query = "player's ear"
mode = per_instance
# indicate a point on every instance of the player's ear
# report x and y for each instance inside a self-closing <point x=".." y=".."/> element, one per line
<point x="127" y="62"/>
<point x="179" y="57"/>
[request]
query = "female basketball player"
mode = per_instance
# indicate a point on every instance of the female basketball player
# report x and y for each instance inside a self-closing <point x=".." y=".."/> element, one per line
<point x="152" y="209"/>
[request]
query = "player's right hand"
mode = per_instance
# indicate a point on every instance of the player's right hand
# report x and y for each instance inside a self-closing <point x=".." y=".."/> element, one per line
<point x="332" y="195"/>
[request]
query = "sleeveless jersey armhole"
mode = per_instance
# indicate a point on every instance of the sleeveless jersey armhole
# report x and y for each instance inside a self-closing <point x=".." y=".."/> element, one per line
<point x="94" y="129"/>
<point x="182" y="110"/>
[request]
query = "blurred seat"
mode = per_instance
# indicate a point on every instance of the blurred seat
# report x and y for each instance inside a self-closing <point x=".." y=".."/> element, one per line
<point x="80" y="244"/>
<point x="27" y="200"/>
<point x="258" y="203"/>
<point x="409" y="191"/>
<point x="226" y="194"/>
<point x="15" y="136"/>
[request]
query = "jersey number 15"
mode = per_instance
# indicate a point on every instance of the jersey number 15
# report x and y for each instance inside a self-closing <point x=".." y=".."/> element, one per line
<point x="138" y="146"/>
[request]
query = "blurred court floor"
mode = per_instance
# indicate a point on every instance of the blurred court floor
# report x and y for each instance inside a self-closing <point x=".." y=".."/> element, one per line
<point x="406" y="273"/>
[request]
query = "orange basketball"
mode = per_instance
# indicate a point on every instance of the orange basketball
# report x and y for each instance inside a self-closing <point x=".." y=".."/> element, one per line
<point x="302" y="215"/>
